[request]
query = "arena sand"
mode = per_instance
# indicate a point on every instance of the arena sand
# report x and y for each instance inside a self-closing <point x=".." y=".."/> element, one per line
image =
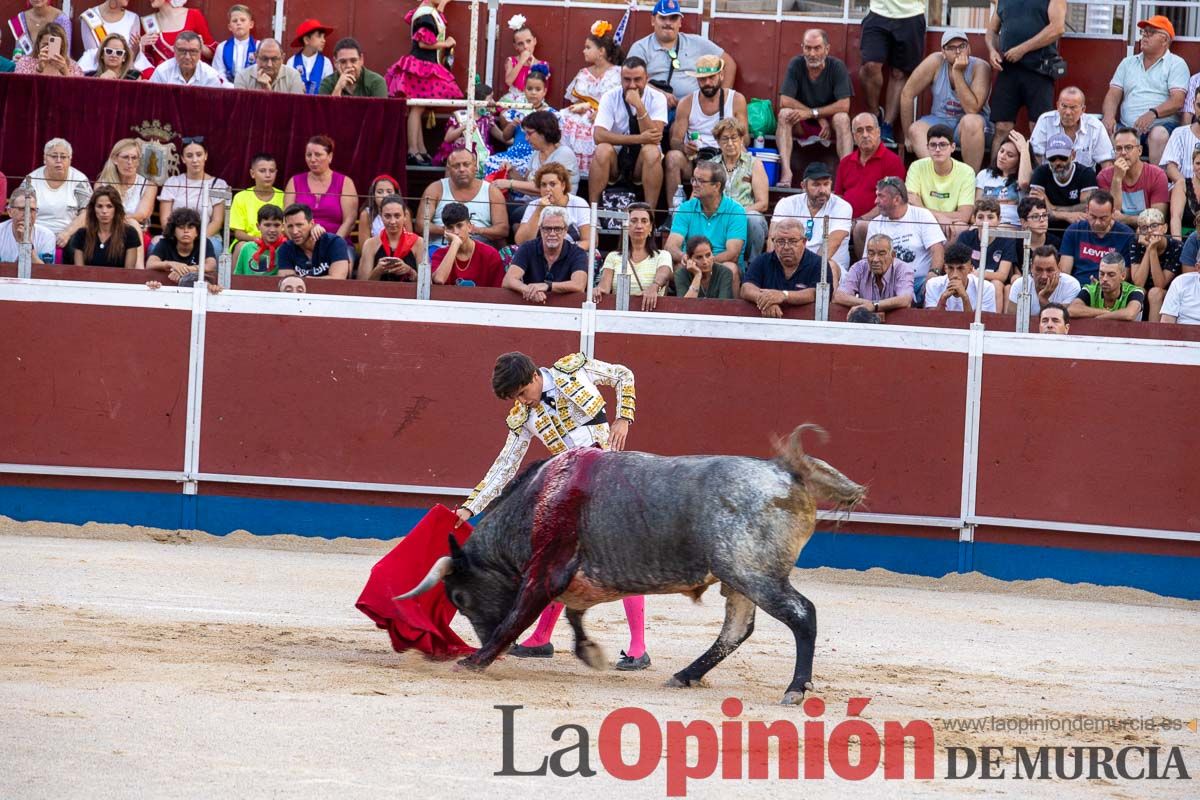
<point x="144" y="663"/>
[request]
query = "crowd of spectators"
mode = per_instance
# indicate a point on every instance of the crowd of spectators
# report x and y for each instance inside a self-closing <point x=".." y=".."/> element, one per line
<point x="896" y="202"/>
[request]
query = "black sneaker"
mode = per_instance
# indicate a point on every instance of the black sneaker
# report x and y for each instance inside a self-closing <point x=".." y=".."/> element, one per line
<point x="630" y="664"/>
<point x="537" y="651"/>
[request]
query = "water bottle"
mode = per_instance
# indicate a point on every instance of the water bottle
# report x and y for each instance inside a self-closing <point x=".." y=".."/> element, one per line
<point x="759" y="142"/>
<point x="678" y="199"/>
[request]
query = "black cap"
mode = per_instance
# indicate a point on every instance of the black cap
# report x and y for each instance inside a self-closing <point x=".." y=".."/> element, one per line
<point x="817" y="170"/>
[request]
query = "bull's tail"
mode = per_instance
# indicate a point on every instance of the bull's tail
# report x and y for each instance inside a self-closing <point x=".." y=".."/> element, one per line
<point x="823" y="481"/>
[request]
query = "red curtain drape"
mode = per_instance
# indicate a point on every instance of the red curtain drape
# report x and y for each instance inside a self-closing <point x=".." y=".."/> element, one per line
<point x="91" y="114"/>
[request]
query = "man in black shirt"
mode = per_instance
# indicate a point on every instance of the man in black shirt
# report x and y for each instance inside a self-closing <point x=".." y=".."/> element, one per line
<point x="549" y="264"/>
<point x="814" y="103"/>
<point x="1022" y="40"/>
<point x="788" y="276"/>
<point x="1063" y="184"/>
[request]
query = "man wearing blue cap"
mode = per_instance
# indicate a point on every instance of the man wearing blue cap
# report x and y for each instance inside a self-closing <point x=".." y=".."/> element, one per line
<point x="671" y="55"/>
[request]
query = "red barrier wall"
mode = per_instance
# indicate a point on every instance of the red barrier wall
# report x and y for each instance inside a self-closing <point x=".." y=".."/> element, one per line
<point x="93" y="386"/>
<point x="1094" y="441"/>
<point x="358" y="400"/>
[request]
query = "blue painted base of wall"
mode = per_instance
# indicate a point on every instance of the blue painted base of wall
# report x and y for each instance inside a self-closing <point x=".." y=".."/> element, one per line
<point x="1166" y="575"/>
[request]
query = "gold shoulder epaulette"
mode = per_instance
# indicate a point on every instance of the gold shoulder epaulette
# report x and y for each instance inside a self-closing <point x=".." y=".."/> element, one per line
<point x="571" y="363"/>
<point x="518" y="415"/>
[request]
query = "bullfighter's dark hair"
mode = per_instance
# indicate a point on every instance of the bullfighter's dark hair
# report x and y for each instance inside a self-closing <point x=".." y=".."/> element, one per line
<point x="511" y="373"/>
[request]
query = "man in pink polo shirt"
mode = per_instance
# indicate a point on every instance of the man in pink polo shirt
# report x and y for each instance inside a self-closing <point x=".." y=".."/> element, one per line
<point x="859" y="172"/>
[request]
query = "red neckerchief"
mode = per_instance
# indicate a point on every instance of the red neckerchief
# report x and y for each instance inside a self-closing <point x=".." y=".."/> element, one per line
<point x="407" y="240"/>
<point x="265" y="247"/>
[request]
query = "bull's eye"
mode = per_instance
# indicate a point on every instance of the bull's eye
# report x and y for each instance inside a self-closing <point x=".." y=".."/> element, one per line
<point x="459" y="598"/>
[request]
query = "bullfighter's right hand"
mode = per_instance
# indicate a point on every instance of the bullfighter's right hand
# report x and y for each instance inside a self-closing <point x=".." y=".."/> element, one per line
<point x="463" y="515"/>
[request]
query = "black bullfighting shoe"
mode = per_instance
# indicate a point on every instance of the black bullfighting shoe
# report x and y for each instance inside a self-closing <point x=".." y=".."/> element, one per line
<point x="629" y="664"/>
<point x="537" y="651"/>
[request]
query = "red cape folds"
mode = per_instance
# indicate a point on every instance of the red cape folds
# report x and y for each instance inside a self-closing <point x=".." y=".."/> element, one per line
<point x="421" y="622"/>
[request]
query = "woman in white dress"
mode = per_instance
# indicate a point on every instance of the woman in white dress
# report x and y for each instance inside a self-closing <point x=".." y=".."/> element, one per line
<point x="111" y="16"/>
<point x="603" y="72"/>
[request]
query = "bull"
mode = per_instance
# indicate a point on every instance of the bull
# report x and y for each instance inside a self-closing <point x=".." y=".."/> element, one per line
<point x="589" y="527"/>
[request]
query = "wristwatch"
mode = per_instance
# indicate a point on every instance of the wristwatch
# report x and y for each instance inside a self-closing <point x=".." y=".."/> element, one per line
<point x="785" y="295"/>
<point x="816" y="113"/>
<point x="549" y="285"/>
<point x="876" y="306"/>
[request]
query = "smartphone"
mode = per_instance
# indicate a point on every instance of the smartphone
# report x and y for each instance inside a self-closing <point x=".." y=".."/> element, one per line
<point x="54" y="46"/>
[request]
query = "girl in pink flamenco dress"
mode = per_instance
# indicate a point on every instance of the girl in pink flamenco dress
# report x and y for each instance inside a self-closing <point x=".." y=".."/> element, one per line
<point x="423" y="74"/>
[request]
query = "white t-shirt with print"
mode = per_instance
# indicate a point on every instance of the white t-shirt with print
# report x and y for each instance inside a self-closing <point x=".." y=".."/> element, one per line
<point x="912" y="235"/>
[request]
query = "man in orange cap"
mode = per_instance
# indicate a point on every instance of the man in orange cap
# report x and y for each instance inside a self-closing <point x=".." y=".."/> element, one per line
<point x="309" y="62"/>
<point x="1147" y="90"/>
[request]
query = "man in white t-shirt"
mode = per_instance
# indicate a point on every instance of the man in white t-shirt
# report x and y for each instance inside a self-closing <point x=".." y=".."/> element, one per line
<point x="1182" y="304"/>
<point x="621" y="154"/>
<point x="958" y="289"/>
<point x="1050" y="284"/>
<point x="12" y="230"/>
<point x="917" y="238"/>
<point x="817" y="202"/>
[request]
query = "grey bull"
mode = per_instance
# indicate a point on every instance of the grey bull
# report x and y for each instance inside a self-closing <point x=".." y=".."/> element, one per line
<point x="589" y="527"/>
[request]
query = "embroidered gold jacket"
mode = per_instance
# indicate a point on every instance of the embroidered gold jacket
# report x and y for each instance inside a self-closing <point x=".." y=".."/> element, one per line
<point x="560" y="426"/>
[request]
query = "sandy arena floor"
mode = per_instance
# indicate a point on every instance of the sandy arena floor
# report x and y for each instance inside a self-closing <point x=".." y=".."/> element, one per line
<point x="139" y="663"/>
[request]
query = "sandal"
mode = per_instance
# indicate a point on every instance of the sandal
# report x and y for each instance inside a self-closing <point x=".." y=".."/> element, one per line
<point x="783" y="184"/>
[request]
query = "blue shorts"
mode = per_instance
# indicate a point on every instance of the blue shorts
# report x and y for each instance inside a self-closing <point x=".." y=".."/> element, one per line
<point x="1169" y="123"/>
<point x="952" y="123"/>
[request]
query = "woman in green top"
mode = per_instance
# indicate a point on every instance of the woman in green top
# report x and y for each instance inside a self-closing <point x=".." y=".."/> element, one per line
<point x="700" y="276"/>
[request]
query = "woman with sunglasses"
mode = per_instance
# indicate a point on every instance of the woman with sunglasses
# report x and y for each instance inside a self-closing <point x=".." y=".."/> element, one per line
<point x="110" y="18"/>
<point x="187" y="190"/>
<point x="115" y="60"/>
<point x="650" y="266"/>
<point x="105" y="240"/>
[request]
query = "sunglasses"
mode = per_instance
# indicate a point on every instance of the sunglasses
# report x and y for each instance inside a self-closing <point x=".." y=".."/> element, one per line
<point x="674" y="56"/>
<point x="192" y="140"/>
<point x="108" y="51"/>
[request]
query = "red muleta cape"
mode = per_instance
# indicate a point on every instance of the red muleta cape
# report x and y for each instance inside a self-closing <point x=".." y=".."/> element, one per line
<point x="421" y="622"/>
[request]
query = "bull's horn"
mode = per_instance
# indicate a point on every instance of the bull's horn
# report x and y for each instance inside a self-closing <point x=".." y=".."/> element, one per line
<point x="441" y="568"/>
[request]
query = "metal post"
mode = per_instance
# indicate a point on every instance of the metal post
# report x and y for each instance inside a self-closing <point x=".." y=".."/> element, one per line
<point x="822" y="311"/>
<point x="279" y="22"/>
<point x="205" y="211"/>
<point x="489" y="68"/>
<point x="472" y="67"/>
<point x="225" y="259"/>
<point x="591" y="258"/>
<point x="424" y="269"/>
<point x="622" y="287"/>
<point x="1025" y="298"/>
<point x="25" y="251"/>
<point x="985" y="239"/>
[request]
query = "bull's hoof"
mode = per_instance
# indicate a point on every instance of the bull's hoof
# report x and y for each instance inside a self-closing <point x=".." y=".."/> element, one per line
<point x="467" y="665"/>
<point x="795" y="697"/>
<point x="677" y="681"/>
<point x="591" y="654"/>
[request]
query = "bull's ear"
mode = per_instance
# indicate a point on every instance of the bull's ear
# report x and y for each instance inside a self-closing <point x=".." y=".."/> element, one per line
<point x="456" y="553"/>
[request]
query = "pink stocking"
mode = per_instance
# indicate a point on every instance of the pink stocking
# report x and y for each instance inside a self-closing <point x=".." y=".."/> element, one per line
<point x="545" y="627"/>
<point x="635" y="612"/>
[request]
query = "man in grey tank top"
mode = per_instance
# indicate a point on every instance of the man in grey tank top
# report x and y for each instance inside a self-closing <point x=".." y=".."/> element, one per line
<point x="960" y="84"/>
<point x="1022" y="41"/>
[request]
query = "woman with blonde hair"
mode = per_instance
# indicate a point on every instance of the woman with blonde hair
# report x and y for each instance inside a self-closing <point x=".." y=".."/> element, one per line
<point x="114" y="60"/>
<point x="137" y="192"/>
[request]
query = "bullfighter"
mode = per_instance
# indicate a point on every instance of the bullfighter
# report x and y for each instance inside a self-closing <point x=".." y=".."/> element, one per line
<point x="561" y="406"/>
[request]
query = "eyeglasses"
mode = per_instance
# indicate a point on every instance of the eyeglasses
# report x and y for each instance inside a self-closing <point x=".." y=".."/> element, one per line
<point x="892" y="181"/>
<point x="700" y="181"/>
<point x="192" y="140"/>
<point x="787" y="242"/>
<point x="729" y="140"/>
<point x="108" y="51"/>
<point x="938" y="145"/>
<point x="269" y="59"/>
<point x="1125" y="148"/>
<point x="187" y="51"/>
<point x="20" y="210"/>
<point x="956" y="48"/>
<point x="1060" y="160"/>
<point x="58" y="156"/>
<point x="1038" y="217"/>
<point x="555" y="229"/>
